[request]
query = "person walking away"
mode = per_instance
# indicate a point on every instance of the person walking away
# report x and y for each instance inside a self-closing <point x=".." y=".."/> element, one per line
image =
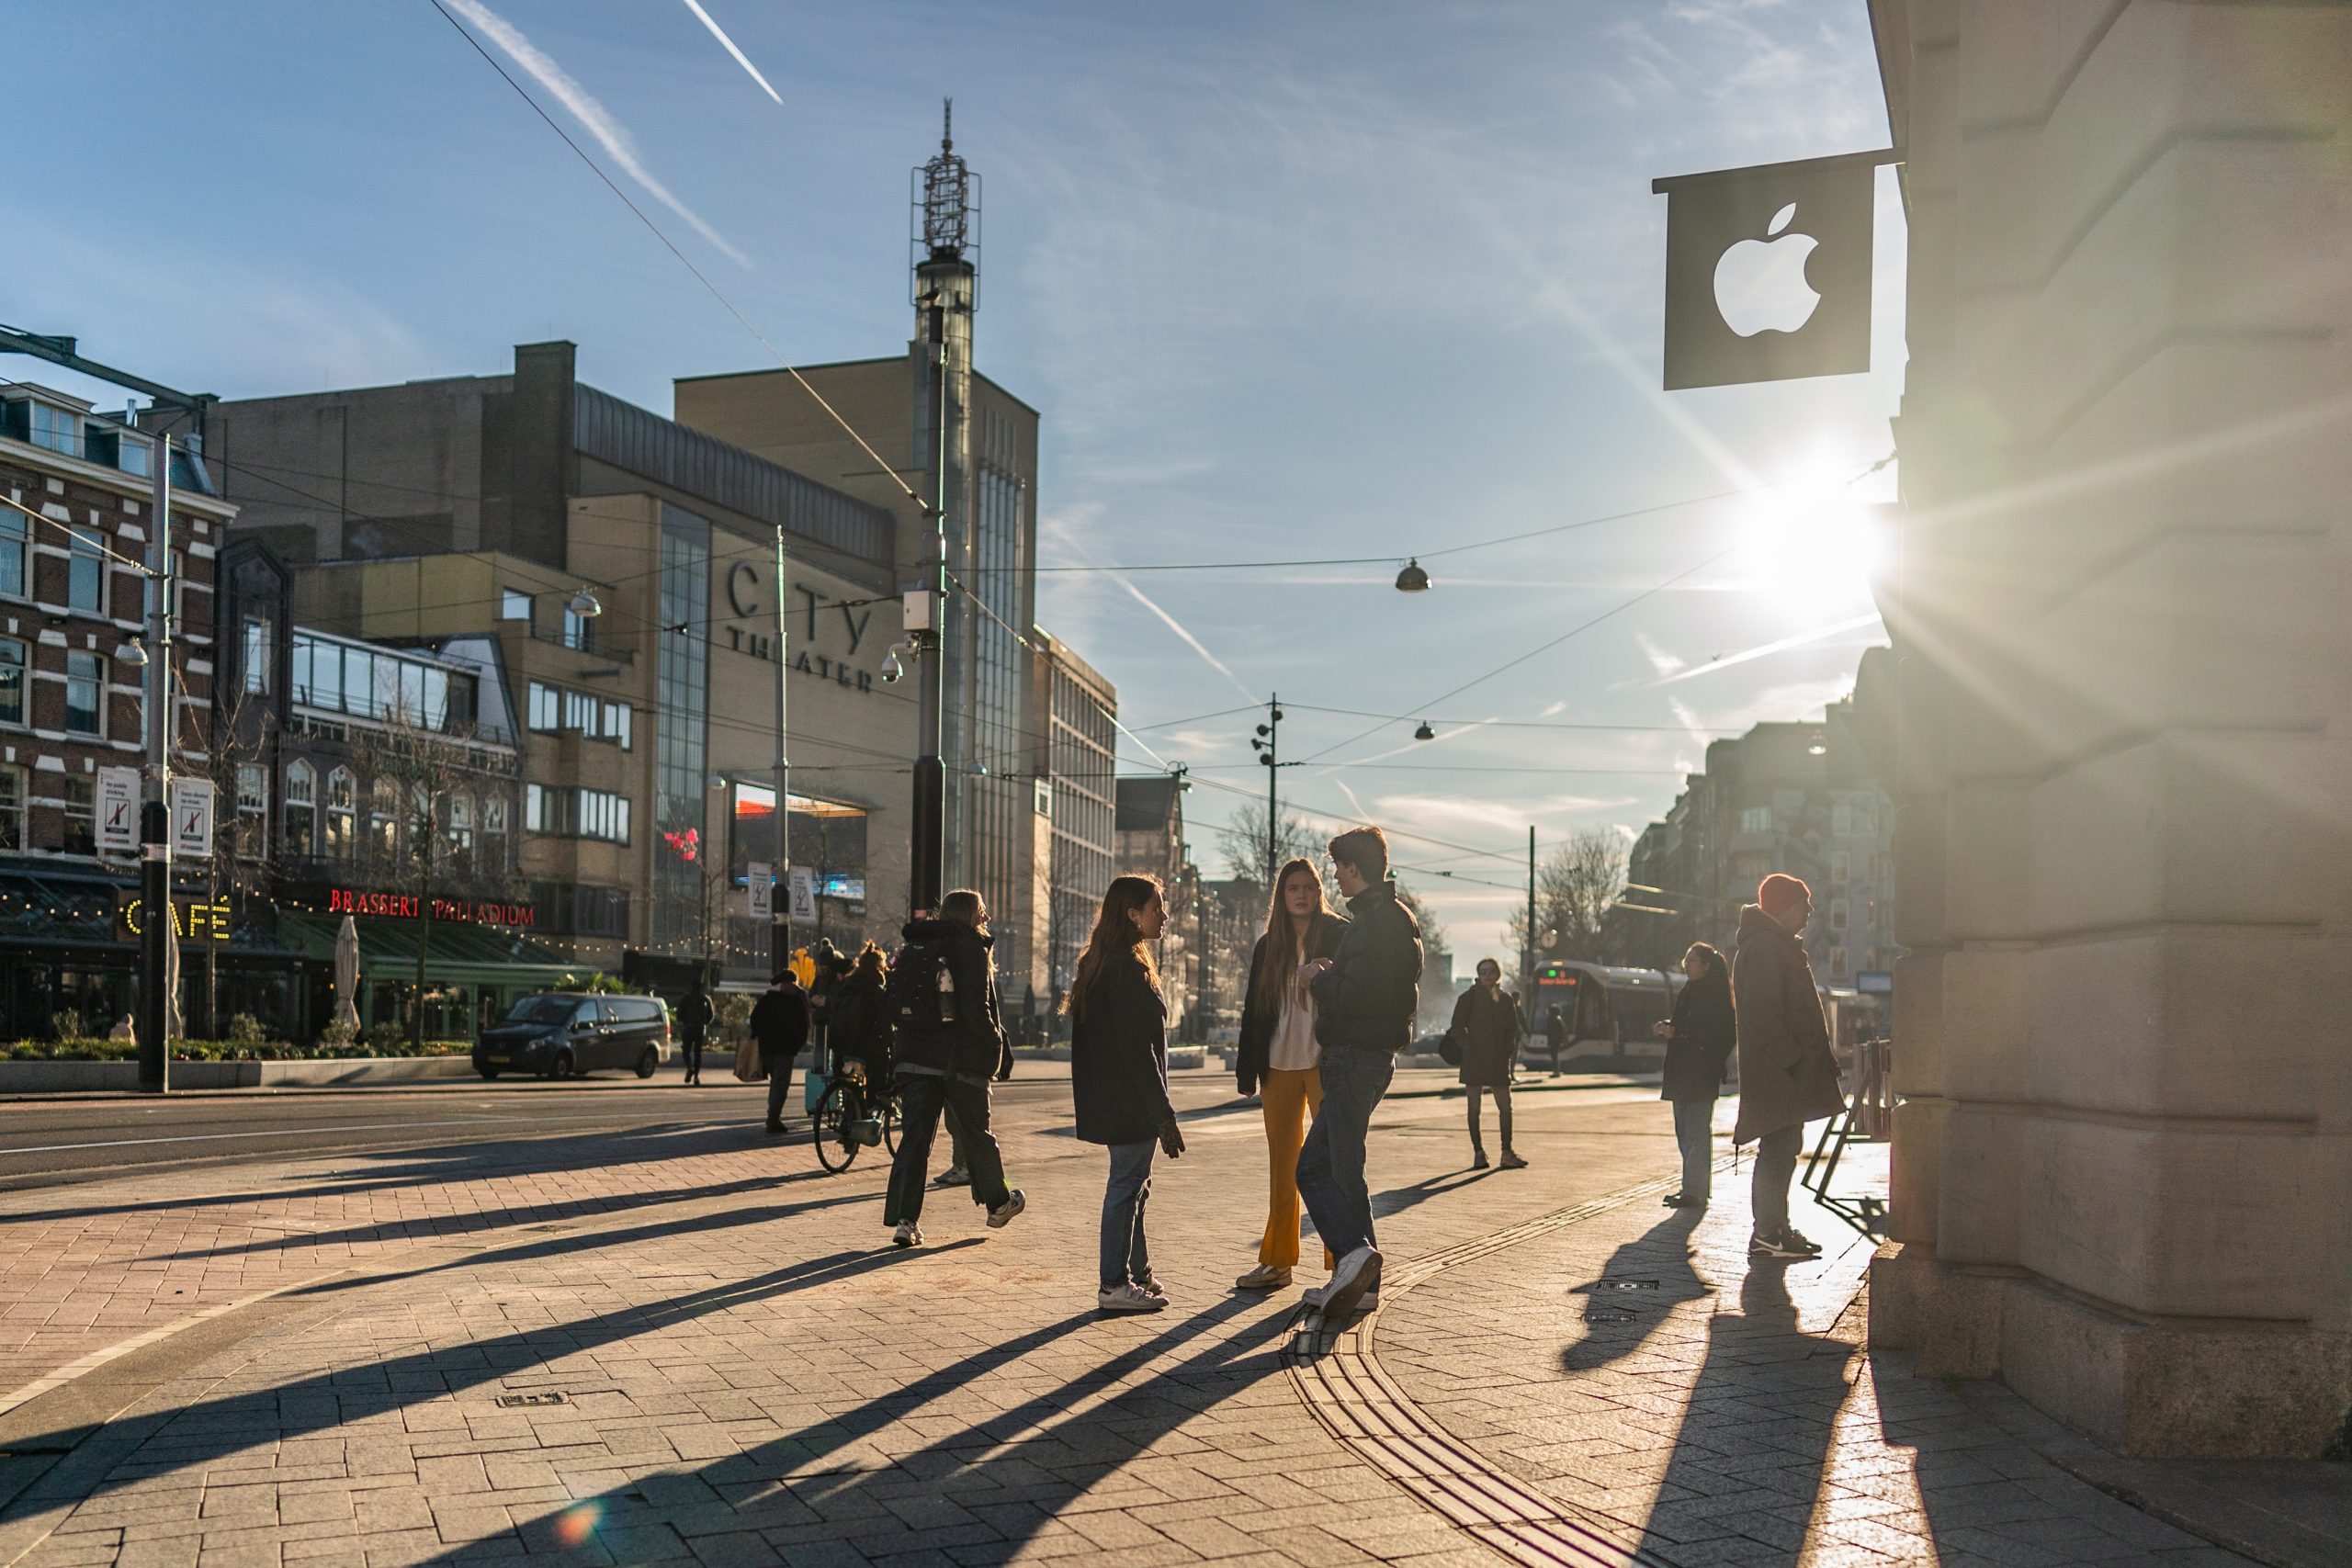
<point x="827" y="969"/>
<point x="1365" y="995"/>
<point x="1276" y="1060"/>
<point x="695" y="1013"/>
<point x="1698" y="1040"/>
<point x="780" y="1024"/>
<point x="1555" y="1035"/>
<point x="1787" y="1075"/>
<point x="1118" y="1078"/>
<point x="1485" y="1029"/>
<point x="861" y="1033"/>
<point x="950" y="1042"/>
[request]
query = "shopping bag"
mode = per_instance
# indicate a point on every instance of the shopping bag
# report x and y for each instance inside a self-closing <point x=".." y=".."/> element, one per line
<point x="747" y="1059"/>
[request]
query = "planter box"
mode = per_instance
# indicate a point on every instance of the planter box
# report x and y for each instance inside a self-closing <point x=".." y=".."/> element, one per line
<point x="62" y="1077"/>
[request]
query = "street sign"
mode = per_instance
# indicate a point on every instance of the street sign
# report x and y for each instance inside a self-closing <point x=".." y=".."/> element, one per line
<point x="804" y="893"/>
<point x="117" y="811"/>
<point x="192" y="819"/>
<point x="1768" y="270"/>
<point x="759" y="887"/>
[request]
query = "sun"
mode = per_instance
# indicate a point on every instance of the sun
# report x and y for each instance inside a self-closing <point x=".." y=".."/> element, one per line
<point x="1815" y="540"/>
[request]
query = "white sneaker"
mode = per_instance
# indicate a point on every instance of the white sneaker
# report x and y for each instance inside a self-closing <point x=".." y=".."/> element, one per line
<point x="1368" y="1302"/>
<point x="909" y="1234"/>
<point x="1265" y="1277"/>
<point x="1004" y="1214"/>
<point x="1357" y="1276"/>
<point x="1128" y="1298"/>
<point x="1150" y="1286"/>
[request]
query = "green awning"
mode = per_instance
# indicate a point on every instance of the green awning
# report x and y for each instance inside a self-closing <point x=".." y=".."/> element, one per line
<point x="474" y="955"/>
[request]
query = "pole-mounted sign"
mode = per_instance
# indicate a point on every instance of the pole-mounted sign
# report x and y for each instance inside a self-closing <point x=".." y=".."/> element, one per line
<point x="1768" y="270"/>
<point x="758" y="886"/>
<point x="117" y="811"/>
<point x="804" y="893"/>
<point x="192" y="819"/>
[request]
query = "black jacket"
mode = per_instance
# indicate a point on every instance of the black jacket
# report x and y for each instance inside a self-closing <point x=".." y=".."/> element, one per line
<point x="1488" y="1034"/>
<point x="695" y="1014"/>
<point x="780" y="1022"/>
<point x="861" y="1025"/>
<point x="1703" y="1034"/>
<point x="1118" y="1056"/>
<point x="1365" y="1001"/>
<point x="1257" y="1024"/>
<point x="973" y="1046"/>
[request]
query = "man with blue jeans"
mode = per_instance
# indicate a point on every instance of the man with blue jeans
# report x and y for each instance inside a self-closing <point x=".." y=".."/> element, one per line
<point x="1365" y="996"/>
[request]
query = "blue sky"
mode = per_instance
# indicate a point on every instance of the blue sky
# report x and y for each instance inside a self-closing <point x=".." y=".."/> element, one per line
<point x="1300" y="281"/>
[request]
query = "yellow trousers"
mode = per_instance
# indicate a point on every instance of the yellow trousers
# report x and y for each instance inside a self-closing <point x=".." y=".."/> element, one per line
<point x="1288" y="1099"/>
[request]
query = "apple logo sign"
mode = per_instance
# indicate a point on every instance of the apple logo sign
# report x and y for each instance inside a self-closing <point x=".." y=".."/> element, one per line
<point x="1761" y="284"/>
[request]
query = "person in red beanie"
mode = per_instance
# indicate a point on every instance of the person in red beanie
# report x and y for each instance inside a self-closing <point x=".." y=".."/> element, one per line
<point x="1787" y="1075"/>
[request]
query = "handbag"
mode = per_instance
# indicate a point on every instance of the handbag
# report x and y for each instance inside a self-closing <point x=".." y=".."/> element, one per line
<point x="747" y="1059"/>
<point x="1449" y="1048"/>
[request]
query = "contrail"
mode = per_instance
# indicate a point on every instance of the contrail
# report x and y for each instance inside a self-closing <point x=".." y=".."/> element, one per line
<point x="716" y="32"/>
<point x="1190" y="641"/>
<point x="591" y="114"/>
<point x="1763" y="650"/>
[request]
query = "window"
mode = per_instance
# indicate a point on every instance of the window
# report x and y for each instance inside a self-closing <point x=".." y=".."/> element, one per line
<point x="575" y="629"/>
<point x="616" y="723"/>
<point x="12" y="808"/>
<point x="576" y="813"/>
<point x="85" y="583"/>
<point x="257" y="655"/>
<point x="134" y="454"/>
<point x="343" y="791"/>
<point x="1837" y="914"/>
<point x="16" y="531"/>
<point x="461" y="829"/>
<point x="494" y="835"/>
<point x="85" y="694"/>
<point x="384" y="819"/>
<point x="1840" y="863"/>
<point x="13" y="665"/>
<point x="604" y="816"/>
<point x="1755" y="819"/>
<point x="545" y="704"/>
<point x="81" y="813"/>
<point x="253" y="809"/>
<point x="580" y="711"/>
<point x="58" y="429"/>
<point x="302" y="809"/>
<point x="514" y="605"/>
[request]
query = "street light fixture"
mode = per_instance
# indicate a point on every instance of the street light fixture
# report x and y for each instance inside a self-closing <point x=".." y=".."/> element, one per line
<point x="1413" y="579"/>
<point x="132" y="653"/>
<point x="1425" y="732"/>
<point x="586" y="603"/>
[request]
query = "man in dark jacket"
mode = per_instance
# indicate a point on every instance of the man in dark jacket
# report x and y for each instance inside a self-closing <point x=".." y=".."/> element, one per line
<point x="1555" y="1035"/>
<point x="1787" y="1075"/>
<point x="694" y="1028"/>
<point x="1365" y="996"/>
<point x="947" y="1060"/>
<point x="780" y="1024"/>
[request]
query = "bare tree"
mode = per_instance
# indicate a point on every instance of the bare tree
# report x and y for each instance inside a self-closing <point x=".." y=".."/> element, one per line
<point x="1243" y="842"/>
<point x="1432" y="929"/>
<point x="1574" y="886"/>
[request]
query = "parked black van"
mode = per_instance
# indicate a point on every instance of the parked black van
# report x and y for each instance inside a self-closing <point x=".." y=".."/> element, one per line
<point x="565" y="1033"/>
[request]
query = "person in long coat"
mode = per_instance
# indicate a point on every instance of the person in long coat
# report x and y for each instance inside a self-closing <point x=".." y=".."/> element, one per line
<point x="1787" y="1075"/>
<point x="1118" y="1078"/>
<point x="1279" y="1060"/>
<point x="1698" y="1040"/>
<point x="1485" y="1031"/>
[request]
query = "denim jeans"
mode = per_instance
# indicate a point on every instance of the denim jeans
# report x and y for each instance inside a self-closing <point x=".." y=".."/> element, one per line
<point x="922" y="1097"/>
<point x="1776" y="1166"/>
<point x="1126" y="1258"/>
<point x="1330" y="1163"/>
<point x="1695" y="1134"/>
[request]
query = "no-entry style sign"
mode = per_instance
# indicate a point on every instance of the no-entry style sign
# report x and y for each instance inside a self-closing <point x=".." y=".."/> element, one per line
<point x="1768" y="270"/>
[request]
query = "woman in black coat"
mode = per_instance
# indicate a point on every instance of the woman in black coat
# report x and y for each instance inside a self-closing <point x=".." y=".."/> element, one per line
<point x="1698" y="1040"/>
<point x="1118" y="1074"/>
<point x="1486" y="1033"/>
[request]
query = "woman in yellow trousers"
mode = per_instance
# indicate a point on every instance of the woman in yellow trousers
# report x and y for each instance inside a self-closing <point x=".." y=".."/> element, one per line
<point x="1278" y="1054"/>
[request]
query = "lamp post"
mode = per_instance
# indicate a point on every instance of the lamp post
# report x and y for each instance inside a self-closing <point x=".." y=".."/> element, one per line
<point x="158" y="942"/>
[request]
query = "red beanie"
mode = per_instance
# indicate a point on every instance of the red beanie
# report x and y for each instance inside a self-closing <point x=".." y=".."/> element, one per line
<point x="1779" y="890"/>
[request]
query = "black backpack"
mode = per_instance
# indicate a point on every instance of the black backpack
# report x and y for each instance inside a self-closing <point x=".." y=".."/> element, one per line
<point x="917" y="1000"/>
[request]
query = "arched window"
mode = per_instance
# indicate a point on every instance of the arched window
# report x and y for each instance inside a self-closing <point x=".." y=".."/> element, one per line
<point x="416" y="831"/>
<point x="493" y="834"/>
<point x="302" y="809"/>
<point x="343" y="796"/>
<point x="461" y="831"/>
<point x="384" y="819"/>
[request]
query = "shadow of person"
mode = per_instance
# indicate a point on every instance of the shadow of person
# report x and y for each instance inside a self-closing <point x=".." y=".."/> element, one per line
<point x="1745" y="1471"/>
<point x="1633" y="1299"/>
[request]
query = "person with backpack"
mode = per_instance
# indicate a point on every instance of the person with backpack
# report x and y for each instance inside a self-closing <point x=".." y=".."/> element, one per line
<point x="1484" y="1042"/>
<point x="1787" y="1075"/>
<point x="1119" y="1075"/>
<point x="861" y="1032"/>
<point x="1365" y="996"/>
<point x="780" y="1024"/>
<point x="951" y="1044"/>
<point x="695" y="1014"/>
<point x="1555" y="1035"/>
<point x="1277" y="1057"/>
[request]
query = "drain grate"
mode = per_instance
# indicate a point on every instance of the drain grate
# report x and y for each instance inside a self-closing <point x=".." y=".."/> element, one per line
<point x="1609" y="1314"/>
<point x="1626" y="1285"/>
<point x="531" y="1401"/>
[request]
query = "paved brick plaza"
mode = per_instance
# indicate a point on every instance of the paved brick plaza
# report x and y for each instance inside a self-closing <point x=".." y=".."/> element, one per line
<point x="688" y="1344"/>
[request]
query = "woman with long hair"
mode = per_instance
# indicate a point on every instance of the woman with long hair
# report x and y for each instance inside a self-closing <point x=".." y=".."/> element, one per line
<point x="1118" y="1074"/>
<point x="1698" y="1040"/>
<point x="1486" y="1033"/>
<point x="1277" y="1058"/>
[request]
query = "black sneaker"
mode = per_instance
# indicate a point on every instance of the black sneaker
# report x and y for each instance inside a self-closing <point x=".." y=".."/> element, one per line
<point x="1775" y="1247"/>
<point x="1793" y="1238"/>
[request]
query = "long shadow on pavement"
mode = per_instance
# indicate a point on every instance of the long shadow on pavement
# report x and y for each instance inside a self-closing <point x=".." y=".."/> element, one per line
<point x="1639" y="1286"/>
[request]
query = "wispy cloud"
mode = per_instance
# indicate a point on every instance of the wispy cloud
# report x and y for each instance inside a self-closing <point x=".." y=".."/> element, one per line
<point x="1670" y="676"/>
<point x="1173" y="624"/>
<point x="1662" y="661"/>
<point x="593" y="118"/>
<point x="741" y="57"/>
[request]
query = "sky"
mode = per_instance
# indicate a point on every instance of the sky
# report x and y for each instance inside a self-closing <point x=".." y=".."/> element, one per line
<point x="1305" y="281"/>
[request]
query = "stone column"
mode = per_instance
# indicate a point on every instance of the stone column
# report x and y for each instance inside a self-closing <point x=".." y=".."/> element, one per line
<point x="2122" y="1176"/>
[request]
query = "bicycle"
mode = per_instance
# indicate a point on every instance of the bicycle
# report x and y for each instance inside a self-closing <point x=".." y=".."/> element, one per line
<point x="849" y="1116"/>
